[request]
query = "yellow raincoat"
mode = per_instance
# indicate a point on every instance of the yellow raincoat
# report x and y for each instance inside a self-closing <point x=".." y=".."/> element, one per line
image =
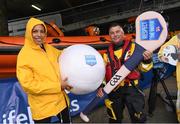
<point x="173" y="41"/>
<point x="176" y="42"/>
<point x="38" y="74"/>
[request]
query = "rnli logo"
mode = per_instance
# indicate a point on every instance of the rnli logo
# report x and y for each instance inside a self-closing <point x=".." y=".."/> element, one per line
<point x="90" y="60"/>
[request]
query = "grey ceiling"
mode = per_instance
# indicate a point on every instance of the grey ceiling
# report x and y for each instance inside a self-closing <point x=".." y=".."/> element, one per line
<point x="77" y="10"/>
<point x="77" y="14"/>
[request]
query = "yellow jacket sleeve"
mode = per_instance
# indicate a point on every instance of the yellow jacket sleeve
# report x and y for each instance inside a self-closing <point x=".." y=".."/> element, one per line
<point x="172" y="41"/>
<point x="33" y="85"/>
<point x="145" y="67"/>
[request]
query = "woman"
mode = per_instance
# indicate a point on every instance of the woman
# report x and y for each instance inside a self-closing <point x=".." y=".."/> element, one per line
<point x="39" y="76"/>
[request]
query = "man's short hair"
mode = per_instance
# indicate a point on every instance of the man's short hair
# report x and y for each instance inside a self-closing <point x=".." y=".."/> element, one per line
<point x="114" y="24"/>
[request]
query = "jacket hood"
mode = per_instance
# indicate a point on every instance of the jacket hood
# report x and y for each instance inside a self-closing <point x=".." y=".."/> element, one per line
<point x="28" y="34"/>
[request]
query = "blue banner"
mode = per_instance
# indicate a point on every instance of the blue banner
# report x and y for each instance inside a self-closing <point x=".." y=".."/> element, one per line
<point x="14" y="106"/>
<point x="79" y="102"/>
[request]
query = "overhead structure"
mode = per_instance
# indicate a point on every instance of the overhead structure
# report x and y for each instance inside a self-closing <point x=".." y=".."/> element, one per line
<point x="78" y="14"/>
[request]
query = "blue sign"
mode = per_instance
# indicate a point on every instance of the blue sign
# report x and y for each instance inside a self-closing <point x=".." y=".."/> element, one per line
<point x="14" y="106"/>
<point x="90" y="60"/>
<point x="80" y="102"/>
<point x="150" y="29"/>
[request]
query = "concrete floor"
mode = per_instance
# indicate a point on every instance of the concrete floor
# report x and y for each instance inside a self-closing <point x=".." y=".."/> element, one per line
<point x="162" y="113"/>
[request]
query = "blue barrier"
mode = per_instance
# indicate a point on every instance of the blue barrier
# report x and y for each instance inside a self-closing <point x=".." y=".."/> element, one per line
<point x="14" y="107"/>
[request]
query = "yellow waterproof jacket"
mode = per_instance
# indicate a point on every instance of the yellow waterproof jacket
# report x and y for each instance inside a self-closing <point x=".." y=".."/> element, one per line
<point x="176" y="42"/>
<point x="38" y="74"/>
<point x="118" y="53"/>
<point x="173" y="41"/>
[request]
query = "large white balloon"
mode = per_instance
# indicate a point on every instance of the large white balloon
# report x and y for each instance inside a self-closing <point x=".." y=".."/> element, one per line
<point x="83" y="66"/>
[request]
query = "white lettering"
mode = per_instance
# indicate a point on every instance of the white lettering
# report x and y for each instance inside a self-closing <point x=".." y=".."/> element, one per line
<point x="21" y="118"/>
<point x="4" y="119"/>
<point x="11" y="116"/>
<point x="74" y="104"/>
<point x="30" y="116"/>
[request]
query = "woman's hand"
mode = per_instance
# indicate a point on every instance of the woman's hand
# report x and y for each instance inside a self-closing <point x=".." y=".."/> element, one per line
<point x="65" y="85"/>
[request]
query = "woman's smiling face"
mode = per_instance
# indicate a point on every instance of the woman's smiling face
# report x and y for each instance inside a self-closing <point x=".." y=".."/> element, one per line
<point x="38" y="34"/>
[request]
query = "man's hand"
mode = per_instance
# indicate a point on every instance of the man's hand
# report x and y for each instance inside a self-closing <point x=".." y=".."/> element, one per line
<point x="65" y="85"/>
<point x="147" y="55"/>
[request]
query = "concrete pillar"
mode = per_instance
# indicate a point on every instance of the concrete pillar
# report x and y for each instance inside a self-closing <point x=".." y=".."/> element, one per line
<point x="3" y="19"/>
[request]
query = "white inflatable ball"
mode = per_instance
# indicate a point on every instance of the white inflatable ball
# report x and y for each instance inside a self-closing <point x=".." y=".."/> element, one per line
<point x="83" y="66"/>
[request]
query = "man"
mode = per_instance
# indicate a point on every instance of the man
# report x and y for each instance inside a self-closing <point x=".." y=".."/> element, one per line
<point x="127" y="92"/>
